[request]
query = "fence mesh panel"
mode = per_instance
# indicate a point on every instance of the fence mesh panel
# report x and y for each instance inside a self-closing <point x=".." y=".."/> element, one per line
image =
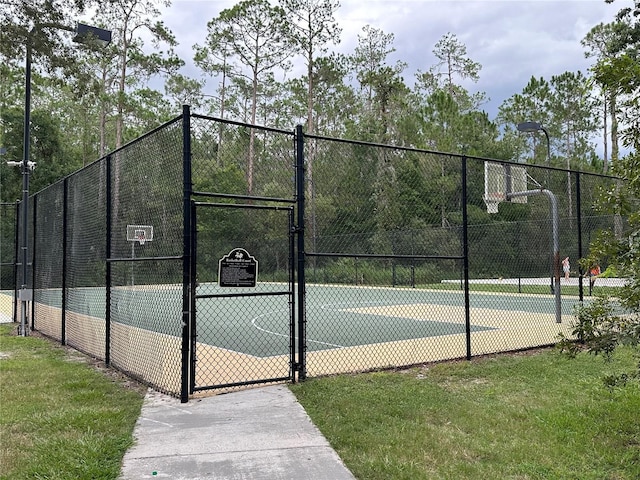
<point x="146" y="287"/>
<point x="86" y="260"/>
<point x="237" y="159"/>
<point x="48" y="244"/>
<point x="513" y="252"/>
<point x="385" y="230"/>
<point x="140" y="329"/>
<point x="382" y="224"/>
<point x="387" y="254"/>
<point x="8" y="252"/>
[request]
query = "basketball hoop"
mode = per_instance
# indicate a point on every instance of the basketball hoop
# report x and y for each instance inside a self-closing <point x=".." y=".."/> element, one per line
<point x="140" y="236"/>
<point x="492" y="200"/>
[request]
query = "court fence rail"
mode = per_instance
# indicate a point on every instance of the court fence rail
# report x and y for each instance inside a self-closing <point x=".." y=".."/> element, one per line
<point x="362" y="256"/>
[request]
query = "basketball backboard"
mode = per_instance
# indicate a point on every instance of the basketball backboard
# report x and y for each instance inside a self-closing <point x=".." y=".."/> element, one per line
<point x="140" y="233"/>
<point x="500" y="179"/>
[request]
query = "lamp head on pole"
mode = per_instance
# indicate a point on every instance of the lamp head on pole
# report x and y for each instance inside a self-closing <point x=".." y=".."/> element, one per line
<point x="89" y="34"/>
<point x="533" y="127"/>
<point x="530" y="127"/>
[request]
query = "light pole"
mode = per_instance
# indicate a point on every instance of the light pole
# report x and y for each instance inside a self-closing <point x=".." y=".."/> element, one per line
<point x="84" y="34"/>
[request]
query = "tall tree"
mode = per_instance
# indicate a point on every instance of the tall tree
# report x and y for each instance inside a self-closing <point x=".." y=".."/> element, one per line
<point x="382" y="95"/>
<point x="573" y="116"/>
<point x="620" y="73"/>
<point x="603" y="43"/>
<point x="257" y="34"/>
<point x="183" y="90"/>
<point x="313" y="27"/>
<point x="130" y="21"/>
<point x="439" y="123"/>
<point x="370" y="56"/>
<point x="611" y="322"/>
<point x="126" y="102"/>
<point x="571" y="108"/>
<point x="215" y="58"/>
<point x="533" y="104"/>
<point x="447" y="119"/>
<point x="335" y="99"/>
<point x="381" y="85"/>
<point x="453" y="66"/>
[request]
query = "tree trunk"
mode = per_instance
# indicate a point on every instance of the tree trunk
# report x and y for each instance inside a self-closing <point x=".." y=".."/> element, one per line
<point x="605" y="135"/>
<point x="310" y="151"/>
<point x="615" y="149"/>
<point x="252" y="133"/>
<point x="223" y="91"/>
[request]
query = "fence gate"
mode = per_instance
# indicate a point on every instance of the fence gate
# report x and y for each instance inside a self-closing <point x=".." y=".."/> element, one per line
<point x="243" y="328"/>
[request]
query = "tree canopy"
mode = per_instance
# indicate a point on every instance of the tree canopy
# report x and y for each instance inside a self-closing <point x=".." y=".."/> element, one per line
<point x="615" y="321"/>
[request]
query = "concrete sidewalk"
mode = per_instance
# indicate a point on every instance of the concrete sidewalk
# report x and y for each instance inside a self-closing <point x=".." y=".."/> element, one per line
<point x="262" y="433"/>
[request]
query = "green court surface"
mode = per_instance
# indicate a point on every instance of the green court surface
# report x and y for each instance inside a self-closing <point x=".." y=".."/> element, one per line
<point x="339" y="316"/>
<point x="336" y="316"/>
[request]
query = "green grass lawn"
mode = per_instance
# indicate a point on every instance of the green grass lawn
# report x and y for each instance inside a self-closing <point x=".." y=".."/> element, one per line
<point x="521" y="416"/>
<point x="61" y="417"/>
<point x="524" y="416"/>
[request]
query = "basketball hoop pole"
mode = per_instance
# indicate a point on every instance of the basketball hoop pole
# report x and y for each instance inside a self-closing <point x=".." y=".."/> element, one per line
<point x="556" y="240"/>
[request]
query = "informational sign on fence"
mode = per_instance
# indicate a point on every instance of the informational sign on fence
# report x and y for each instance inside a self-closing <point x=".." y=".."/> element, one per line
<point x="237" y="269"/>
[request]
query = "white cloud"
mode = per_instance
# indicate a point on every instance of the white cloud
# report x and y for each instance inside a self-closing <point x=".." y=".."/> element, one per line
<point x="512" y="39"/>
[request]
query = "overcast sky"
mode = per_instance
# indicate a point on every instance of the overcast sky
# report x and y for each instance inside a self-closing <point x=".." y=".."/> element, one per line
<point x="511" y="39"/>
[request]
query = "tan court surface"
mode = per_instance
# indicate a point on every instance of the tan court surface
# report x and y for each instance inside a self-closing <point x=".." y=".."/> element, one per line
<point x="157" y="357"/>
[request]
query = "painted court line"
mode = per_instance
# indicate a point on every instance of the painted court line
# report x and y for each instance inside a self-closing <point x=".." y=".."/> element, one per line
<point x="254" y="323"/>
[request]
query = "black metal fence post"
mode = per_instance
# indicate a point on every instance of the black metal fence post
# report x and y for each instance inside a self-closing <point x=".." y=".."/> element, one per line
<point x="187" y="244"/>
<point x="107" y="338"/>
<point x="302" y="320"/>
<point x="465" y="254"/>
<point x="579" y="222"/>
<point x="65" y="263"/>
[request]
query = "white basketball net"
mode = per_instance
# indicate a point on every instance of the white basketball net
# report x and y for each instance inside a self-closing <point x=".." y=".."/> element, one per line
<point x="492" y="201"/>
<point x="492" y="206"/>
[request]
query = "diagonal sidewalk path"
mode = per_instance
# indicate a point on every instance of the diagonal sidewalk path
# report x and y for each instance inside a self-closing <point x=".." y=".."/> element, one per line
<point x="256" y="434"/>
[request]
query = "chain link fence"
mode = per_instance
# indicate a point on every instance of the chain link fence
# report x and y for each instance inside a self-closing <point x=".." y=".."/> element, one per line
<point x="115" y="298"/>
<point x="244" y="184"/>
<point x="146" y="275"/>
<point x="405" y="264"/>
<point x="48" y="247"/>
<point x="365" y="256"/>
<point x="8" y="262"/>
